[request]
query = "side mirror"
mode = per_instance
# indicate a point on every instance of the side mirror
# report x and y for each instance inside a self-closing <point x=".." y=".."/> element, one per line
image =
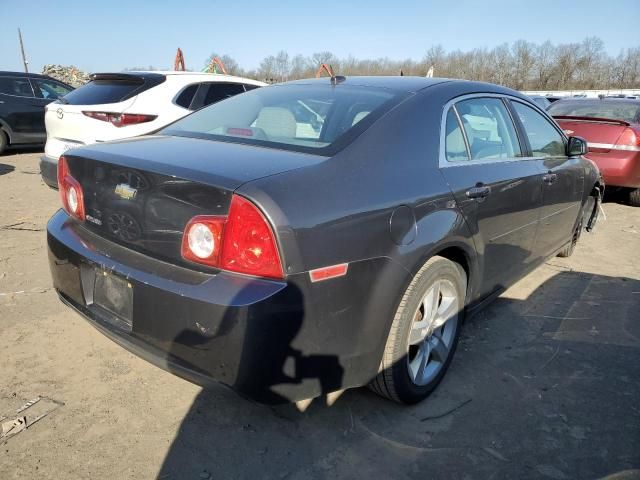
<point x="577" y="146"/>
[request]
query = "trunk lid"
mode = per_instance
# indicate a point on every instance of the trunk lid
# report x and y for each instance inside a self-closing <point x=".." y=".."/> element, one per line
<point x="141" y="193"/>
<point x="600" y="133"/>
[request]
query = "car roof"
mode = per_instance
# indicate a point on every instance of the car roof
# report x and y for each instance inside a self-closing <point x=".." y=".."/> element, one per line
<point x="400" y="83"/>
<point x="409" y="84"/>
<point x="22" y="74"/>
<point x="199" y="75"/>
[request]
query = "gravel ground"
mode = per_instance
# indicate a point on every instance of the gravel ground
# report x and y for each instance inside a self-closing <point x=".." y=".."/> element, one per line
<point x="545" y="382"/>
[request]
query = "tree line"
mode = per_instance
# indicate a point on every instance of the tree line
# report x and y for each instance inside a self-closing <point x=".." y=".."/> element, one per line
<point x="521" y="65"/>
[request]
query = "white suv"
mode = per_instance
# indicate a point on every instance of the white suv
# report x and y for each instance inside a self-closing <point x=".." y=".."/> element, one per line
<point x="121" y="105"/>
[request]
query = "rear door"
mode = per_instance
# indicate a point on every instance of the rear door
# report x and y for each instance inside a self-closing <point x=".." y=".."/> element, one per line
<point x="498" y="190"/>
<point x="23" y="112"/>
<point x="563" y="179"/>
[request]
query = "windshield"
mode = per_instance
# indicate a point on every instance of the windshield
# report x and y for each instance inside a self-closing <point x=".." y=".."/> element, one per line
<point x="627" y="111"/>
<point x="309" y="118"/>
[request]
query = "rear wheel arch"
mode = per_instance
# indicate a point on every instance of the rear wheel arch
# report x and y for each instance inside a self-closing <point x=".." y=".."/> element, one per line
<point x="459" y="253"/>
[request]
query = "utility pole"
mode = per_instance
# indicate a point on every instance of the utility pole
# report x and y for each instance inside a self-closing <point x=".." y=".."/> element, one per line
<point x="24" y="58"/>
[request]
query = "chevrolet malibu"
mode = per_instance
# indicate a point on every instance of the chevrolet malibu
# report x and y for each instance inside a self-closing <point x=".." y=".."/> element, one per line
<point x="309" y="237"/>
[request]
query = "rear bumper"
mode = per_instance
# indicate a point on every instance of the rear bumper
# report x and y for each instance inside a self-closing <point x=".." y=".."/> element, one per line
<point x="618" y="168"/>
<point x="273" y="341"/>
<point x="49" y="171"/>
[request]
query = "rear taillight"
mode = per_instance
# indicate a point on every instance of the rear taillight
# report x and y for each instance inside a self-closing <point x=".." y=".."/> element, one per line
<point x="629" y="140"/>
<point x="70" y="189"/>
<point x="241" y="242"/>
<point x="120" y="119"/>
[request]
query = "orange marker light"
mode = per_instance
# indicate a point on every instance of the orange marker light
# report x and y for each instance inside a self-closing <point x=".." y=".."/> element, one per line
<point x="325" y="273"/>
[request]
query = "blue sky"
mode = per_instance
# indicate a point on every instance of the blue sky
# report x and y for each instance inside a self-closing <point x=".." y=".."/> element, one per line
<point x="113" y="34"/>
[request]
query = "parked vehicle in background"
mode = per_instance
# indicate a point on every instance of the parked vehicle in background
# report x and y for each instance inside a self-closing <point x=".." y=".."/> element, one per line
<point x="23" y="97"/>
<point x="318" y="235"/>
<point x="612" y="130"/>
<point x="542" y="102"/>
<point x="113" y="106"/>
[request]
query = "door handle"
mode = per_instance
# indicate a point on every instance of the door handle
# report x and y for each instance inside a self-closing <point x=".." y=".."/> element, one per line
<point x="478" y="192"/>
<point x="549" y="178"/>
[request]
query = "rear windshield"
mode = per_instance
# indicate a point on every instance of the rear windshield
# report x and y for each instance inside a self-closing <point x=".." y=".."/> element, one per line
<point x="97" y="92"/>
<point x="308" y="118"/>
<point x="627" y="111"/>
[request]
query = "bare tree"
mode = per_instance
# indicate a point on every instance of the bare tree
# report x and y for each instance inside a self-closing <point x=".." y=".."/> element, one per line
<point x="521" y="65"/>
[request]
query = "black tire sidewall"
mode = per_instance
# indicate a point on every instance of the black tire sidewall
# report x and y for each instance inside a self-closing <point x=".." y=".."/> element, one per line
<point x="634" y="197"/>
<point x="4" y="141"/>
<point x="407" y="391"/>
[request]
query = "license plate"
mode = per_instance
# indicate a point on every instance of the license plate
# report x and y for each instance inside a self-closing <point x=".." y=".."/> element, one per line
<point x="115" y="295"/>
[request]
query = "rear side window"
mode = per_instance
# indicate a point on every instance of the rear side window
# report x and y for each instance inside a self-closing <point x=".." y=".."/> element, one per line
<point x="222" y="91"/>
<point x="455" y="146"/>
<point x="50" y="89"/>
<point x="489" y="129"/>
<point x="186" y="96"/>
<point x="304" y="117"/>
<point x="16" y="86"/>
<point x="543" y="137"/>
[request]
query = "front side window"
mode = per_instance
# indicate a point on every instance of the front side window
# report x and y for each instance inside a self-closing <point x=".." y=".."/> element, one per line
<point x="543" y="137"/>
<point x="16" y="86"/>
<point x="489" y="129"/>
<point x="51" y="90"/>
<point x="313" y="118"/>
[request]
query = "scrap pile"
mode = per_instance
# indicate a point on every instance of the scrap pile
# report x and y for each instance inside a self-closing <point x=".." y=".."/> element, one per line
<point x="70" y="75"/>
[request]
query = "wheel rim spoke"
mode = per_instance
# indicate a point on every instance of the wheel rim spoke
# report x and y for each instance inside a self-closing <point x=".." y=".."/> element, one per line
<point x="430" y="303"/>
<point x="448" y="308"/>
<point x="417" y="333"/>
<point x="439" y="348"/>
<point x="419" y="364"/>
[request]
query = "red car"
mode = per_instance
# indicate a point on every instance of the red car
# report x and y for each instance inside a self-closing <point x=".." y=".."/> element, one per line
<point x="612" y="130"/>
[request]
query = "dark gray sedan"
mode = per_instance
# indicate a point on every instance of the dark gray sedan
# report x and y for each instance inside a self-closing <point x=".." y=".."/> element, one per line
<point x="304" y="238"/>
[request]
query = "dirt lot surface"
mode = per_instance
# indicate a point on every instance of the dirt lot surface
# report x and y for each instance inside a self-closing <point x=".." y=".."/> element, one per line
<point x="545" y="383"/>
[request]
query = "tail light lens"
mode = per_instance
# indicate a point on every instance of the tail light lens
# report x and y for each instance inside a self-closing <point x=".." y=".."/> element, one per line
<point x="241" y="242"/>
<point x="629" y="140"/>
<point x="120" y="119"/>
<point x="70" y="189"/>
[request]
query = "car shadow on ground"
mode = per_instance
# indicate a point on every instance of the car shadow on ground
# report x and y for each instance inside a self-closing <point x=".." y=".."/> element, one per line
<point x="11" y="151"/>
<point x="542" y="387"/>
<point x="4" y="168"/>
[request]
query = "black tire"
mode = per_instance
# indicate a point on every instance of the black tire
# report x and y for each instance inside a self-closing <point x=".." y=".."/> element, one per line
<point x="634" y="197"/>
<point x="4" y="141"/>
<point x="569" y="249"/>
<point x="393" y="380"/>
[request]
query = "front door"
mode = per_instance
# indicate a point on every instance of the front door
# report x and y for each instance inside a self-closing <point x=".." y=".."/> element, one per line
<point x="24" y="112"/>
<point x="498" y="191"/>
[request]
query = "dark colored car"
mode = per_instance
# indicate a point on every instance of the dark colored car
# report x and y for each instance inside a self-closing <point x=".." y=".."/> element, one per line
<point x="23" y="97"/>
<point x="309" y="237"/>
<point x="612" y="130"/>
